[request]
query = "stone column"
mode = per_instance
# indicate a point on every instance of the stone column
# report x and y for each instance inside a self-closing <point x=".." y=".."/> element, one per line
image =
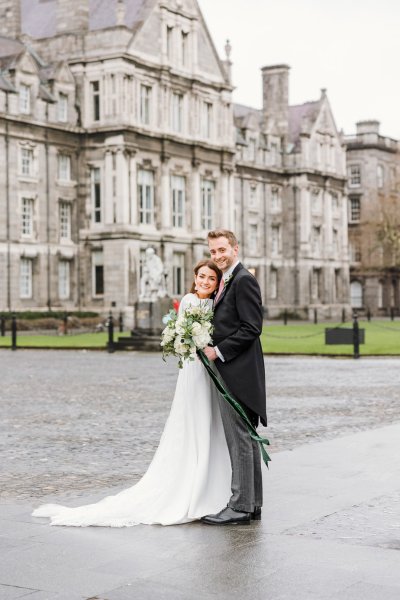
<point x="196" y="201"/>
<point x="327" y="208"/>
<point x="133" y="211"/>
<point x="122" y="175"/>
<point x="166" y="205"/>
<point x="305" y="218"/>
<point x="108" y="187"/>
<point x="223" y="217"/>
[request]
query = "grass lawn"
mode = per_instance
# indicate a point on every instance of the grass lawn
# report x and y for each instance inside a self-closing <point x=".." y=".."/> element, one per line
<point x="381" y="337"/>
<point x="76" y="340"/>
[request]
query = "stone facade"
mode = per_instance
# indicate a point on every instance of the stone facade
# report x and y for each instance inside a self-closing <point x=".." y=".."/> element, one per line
<point x="129" y="138"/>
<point x="373" y="163"/>
<point x="290" y="200"/>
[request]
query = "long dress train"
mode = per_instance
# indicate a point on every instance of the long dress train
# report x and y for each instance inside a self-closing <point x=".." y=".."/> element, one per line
<point x="190" y="474"/>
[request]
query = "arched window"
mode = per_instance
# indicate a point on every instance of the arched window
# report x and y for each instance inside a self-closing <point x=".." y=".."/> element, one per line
<point x="356" y="293"/>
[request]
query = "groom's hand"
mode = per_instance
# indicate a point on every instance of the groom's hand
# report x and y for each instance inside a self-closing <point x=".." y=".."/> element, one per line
<point x="210" y="353"/>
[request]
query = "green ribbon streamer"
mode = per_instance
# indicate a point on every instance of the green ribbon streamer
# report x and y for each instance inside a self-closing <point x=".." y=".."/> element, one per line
<point x="236" y="406"/>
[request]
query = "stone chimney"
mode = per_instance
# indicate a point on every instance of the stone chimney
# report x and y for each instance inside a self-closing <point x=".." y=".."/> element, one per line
<point x="72" y="16"/>
<point x="371" y="126"/>
<point x="276" y="98"/>
<point x="10" y="18"/>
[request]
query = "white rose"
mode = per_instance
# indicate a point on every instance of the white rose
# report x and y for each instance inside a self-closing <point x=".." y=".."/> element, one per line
<point x="201" y="340"/>
<point x="196" y="328"/>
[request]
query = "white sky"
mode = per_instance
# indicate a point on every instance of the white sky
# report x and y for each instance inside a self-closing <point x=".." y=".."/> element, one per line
<point x="350" y="47"/>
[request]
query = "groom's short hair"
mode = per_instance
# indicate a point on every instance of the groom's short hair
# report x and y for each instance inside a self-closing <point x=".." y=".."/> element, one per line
<point x="229" y="235"/>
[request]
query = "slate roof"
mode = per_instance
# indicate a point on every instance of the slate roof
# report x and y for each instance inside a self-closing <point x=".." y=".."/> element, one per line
<point x="10" y="47"/>
<point x="39" y="17"/>
<point x="299" y="115"/>
<point x="241" y="114"/>
<point x="6" y="85"/>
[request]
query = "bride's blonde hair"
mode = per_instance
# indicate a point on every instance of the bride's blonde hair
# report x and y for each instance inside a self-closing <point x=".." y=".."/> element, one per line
<point x="206" y="262"/>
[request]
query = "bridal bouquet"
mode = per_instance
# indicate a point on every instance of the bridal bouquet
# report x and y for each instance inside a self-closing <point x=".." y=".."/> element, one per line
<point x="187" y="333"/>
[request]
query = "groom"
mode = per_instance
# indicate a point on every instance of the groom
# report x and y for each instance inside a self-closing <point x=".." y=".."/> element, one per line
<point x="239" y="360"/>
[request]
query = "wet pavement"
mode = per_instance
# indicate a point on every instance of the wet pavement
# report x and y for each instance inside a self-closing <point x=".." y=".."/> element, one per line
<point x="85" y="424"/>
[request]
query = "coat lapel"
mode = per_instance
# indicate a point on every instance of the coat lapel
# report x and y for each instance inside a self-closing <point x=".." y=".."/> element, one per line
<point x="236" y="270"/>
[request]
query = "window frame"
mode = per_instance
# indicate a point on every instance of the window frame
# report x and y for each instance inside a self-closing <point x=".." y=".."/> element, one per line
<point x="207" y="203"/>
<point x="24" y="99"/>
<point x="28" y="294"/>
<point x="146" y="196"/>
<point x="64" y="279"/>
<point x="27" y="201"/>
<point x="178" y="200"/>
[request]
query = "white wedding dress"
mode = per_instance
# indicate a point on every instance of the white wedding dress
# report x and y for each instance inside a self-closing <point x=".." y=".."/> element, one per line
<point x="190" y="474"/>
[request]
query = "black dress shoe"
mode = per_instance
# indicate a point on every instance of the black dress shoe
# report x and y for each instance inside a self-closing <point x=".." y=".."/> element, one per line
<point x="256" y="514"/>
<point x="227" y="516"/>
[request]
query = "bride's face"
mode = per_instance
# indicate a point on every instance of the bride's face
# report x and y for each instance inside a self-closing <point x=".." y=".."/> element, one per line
<point x="206" y="282"/>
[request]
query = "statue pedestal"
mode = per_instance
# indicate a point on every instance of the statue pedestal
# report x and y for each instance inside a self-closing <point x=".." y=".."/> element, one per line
<point x="146" y="335"/>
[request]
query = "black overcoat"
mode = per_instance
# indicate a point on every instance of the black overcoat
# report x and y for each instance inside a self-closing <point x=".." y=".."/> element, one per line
<point x="238" y="320"/>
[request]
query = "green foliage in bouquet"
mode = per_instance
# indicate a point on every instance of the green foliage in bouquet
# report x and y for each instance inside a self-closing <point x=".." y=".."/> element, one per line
<point x="188" y="332"/>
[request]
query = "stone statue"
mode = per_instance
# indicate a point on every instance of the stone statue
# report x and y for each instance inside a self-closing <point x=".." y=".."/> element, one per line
<point x="152" y="282"/>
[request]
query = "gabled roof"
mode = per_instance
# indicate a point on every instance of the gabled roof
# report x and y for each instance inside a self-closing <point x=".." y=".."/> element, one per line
<point x="243" y="113"/>
<point x="301" y="118"/>
<point x="39" y="19"/>
<point x="10" y="47"/>
<point x="5" y="85"/>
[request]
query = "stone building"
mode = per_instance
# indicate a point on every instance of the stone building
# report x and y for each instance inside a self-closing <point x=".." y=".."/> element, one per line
<point x="117" y="131"/>
<point x="373" y="163"/>
<point x="291" y="208"/>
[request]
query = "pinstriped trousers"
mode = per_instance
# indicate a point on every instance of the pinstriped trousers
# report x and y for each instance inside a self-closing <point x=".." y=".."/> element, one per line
<point x="245" y="458"/>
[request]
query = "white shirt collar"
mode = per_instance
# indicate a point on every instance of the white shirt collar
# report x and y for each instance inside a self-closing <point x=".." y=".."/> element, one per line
<point x="230" y="270"/>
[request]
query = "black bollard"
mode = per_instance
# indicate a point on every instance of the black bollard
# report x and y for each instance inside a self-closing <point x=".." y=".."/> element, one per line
<point x="65" y="323"/>
<point x="110" y="323"/>
<point x="356" y="336"/>
<point x="285" y="317"/>
<point x="121" y="322"/>
<point x="3" y="326"/>
<point x="343" y="315"/>
<point x="368" y="314"/>
<point x="315" y="316"/>
<point x="392" y="313"/>
<point x="13" y="332"/>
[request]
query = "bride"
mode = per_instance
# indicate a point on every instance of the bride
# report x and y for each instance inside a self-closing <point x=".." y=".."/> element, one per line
<point x="190" y="474"/>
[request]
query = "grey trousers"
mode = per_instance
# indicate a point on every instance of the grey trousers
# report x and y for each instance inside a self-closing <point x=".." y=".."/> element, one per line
<point x="245" y="457"/>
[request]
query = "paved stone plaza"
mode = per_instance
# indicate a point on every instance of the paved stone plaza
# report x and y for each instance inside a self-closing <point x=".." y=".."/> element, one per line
<point x="76" y="424"/>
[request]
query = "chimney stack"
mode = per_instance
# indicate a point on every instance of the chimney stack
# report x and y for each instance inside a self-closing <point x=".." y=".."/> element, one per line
<point x="10" y="18"/>
<point x="276" y="98"/>
<point x="371" y="126"/>
<point x="72" y="16"/>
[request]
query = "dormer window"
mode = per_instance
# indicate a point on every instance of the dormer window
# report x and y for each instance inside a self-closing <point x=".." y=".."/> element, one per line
<point x="170" y="44"/>
<point x="184" y="48"/>
<point x="24" y="99"/>
<point x="95" y="89"/>
<point x="62" y="108"/>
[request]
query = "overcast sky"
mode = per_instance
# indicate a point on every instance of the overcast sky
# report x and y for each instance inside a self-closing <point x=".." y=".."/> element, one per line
<point x="350" y="47"/>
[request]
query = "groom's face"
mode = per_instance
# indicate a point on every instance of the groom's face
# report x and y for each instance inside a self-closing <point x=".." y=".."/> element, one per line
<point x="222" y="253"/>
